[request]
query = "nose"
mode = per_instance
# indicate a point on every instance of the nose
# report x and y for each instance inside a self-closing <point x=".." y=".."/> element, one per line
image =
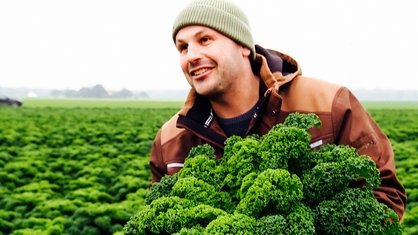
<point x="193" y="53"/>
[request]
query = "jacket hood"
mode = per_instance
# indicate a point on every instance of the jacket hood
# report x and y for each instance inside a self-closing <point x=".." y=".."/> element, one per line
<point x="274" y="69"/>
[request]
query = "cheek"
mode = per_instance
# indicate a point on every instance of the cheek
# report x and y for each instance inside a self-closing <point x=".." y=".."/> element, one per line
<point x="183" y="64"/>
<point x="184" y="68"/>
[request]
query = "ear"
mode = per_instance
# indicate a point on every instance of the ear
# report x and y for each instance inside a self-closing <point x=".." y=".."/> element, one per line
<point x="246" y="52"/>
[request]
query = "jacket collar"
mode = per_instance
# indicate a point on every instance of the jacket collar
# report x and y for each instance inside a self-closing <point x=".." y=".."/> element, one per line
<point x="275" y="68"/>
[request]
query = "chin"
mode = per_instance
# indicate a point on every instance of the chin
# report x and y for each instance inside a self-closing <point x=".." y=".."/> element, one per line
<point x="206" y="89"/>
<point x="211" y="94"/>
<point x="201" y="92"/>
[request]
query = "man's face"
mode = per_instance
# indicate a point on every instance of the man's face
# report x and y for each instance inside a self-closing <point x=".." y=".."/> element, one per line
<point x="211" y="62"/>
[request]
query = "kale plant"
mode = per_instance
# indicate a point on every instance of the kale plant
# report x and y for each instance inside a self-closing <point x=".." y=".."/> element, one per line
<point x="271" y="184"/>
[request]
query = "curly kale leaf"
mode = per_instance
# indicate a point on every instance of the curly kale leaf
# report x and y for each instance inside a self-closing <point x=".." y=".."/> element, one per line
<point x="195" y="230"/>
<point x="163" y="215"/>
<point x="202" y="215"/>
<point x="201" y="192"/>
<point x="161" y="188"/>
<point x="240" y="159"/>
<point x="281" y="144"/>
<point x="302" y="121"/>
<point x="299" y="220"/>
<point x="204" y="149"/>
<point x="273" y="191"/>
<point x="232" y="224"/>
<point x="275" y="224"/>
<point x="356" y="211"/>
<point x="168" y="215"/>
<point x="202" y="166"/>
<point x="339" y="167"/>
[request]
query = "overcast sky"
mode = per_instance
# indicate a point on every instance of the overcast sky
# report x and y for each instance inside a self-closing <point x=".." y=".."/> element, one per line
<point x="127" y="44"/>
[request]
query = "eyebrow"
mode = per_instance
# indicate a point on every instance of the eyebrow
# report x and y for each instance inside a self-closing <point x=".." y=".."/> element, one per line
<point x="196" y="35"/>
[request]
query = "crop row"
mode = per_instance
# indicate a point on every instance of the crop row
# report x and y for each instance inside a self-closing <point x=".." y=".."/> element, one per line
<point x="400" y="126"/>
<point x="74" y="171"/>
<point x="85" y="170"/>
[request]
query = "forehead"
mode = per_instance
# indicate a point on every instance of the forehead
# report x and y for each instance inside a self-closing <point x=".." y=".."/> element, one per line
<point x="191" y="31"/>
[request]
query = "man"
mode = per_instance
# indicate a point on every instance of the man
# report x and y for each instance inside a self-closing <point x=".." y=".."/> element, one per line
<point x="238" y="88"/>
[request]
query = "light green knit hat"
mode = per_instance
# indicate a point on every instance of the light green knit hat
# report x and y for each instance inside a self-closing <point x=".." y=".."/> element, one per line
<point x="220" y="15"/>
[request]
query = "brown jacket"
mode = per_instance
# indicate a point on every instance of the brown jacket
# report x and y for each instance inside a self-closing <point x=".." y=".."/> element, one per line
<point x="283" y="90"/>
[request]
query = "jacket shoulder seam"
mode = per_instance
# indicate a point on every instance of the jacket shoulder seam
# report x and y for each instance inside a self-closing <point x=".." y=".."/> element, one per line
<point x="170" y="130"/>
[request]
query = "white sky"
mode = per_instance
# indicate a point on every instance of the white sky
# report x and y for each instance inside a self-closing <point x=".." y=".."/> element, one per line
<point x="127" y="43"/>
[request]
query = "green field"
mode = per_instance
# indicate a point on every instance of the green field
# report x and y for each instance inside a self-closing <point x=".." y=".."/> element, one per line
<point x="116" y="103"/>
<point x="81" y="166"/>
<point x="390" y="105"/>
<point x="100" y="103"/>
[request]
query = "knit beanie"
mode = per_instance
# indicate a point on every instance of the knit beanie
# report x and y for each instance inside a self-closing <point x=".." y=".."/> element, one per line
<point x="220" y="15"/>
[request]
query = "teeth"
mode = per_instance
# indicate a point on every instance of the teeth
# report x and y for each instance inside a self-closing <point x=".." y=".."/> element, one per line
<point x="200" y="71"/>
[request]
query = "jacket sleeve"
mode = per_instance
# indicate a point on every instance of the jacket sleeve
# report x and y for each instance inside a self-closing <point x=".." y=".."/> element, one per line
<point x="169" y="149"/>
<point x="157" y="165"/>
<point x="353" y="126"/>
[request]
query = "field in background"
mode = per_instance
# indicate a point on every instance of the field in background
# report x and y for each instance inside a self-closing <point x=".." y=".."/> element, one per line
<point x="101" y="103"/>
<point x="81" y="166"/>
<point x="76" y="168"/>
<point x="115" y="103"/>
<point x="390" y="105"/>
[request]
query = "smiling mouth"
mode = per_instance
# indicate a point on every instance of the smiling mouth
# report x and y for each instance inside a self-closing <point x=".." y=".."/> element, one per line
<point x="199" y="72"/>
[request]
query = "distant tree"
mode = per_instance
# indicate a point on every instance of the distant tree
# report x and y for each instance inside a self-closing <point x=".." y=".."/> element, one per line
<point x="142" y="95"/>
<point x="84" y="92"/>
<point x="70" y="93"/>
<point x="98" y="91"/>
<point x="124" y="94"/>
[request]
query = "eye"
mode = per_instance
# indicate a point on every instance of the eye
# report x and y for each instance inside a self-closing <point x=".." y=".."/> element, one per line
<point x="181" y="47"/>
<point x="204" y="40"/>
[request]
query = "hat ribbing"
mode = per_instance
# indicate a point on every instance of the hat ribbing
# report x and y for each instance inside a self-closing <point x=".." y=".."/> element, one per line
<point x="220" y="15"/>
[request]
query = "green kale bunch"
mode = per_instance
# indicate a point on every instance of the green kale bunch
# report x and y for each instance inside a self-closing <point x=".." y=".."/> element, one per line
<point x="271" y="184"/>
